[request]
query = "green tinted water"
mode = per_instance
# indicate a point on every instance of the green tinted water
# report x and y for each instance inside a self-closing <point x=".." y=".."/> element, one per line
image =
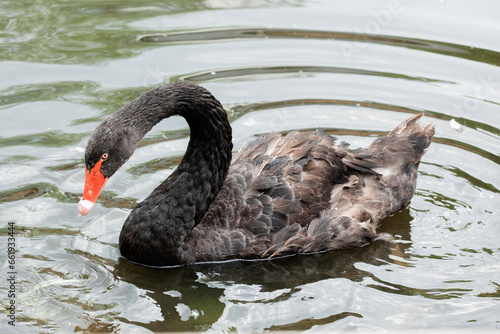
<point x="353" y="68"/>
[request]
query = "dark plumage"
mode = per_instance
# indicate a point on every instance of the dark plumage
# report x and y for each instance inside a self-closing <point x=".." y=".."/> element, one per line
<point x="299" y="193"/>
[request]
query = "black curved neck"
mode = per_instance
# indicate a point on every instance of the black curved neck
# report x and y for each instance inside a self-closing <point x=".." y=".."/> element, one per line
<point x="155" y="231"/>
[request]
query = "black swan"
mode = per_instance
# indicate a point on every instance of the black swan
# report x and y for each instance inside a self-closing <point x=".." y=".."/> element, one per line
<point x="280" y="195"/>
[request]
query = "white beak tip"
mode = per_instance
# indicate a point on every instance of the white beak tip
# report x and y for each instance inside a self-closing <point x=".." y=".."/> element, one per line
<point x="84" y="206"/>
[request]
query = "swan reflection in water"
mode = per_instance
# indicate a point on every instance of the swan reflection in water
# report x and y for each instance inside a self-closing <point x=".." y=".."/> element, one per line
<point x="214" y="288"/>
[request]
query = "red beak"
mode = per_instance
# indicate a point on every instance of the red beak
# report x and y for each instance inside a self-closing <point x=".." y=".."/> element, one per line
<point x="94" y="182"/>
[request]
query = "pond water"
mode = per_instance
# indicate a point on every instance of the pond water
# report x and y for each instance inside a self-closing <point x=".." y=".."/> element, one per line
<point x="353" y="68"/>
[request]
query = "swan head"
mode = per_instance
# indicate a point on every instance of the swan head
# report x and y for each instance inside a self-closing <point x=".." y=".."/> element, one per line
<point x="109" y="147"/>
<point x="114" y="141"/>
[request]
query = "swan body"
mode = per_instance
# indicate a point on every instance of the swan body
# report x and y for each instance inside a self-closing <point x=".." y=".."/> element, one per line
<point x="278" y="195"/>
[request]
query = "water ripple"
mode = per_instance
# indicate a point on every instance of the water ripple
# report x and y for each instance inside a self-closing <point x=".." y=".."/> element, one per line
<point x="276" y="66"/>
<point x="228" y="34"/>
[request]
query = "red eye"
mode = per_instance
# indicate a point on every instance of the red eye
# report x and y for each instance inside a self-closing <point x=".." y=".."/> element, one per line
<point x="104" y="156"/>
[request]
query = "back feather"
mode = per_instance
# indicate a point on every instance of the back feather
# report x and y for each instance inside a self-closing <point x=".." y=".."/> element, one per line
<point x="302" y="193"/>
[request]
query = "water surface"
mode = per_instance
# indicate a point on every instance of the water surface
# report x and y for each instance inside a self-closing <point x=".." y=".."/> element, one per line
<point x="353" y="68"/>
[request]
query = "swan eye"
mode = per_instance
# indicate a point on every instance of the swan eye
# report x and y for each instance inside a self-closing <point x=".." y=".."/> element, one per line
<point x="104" y="156"/>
